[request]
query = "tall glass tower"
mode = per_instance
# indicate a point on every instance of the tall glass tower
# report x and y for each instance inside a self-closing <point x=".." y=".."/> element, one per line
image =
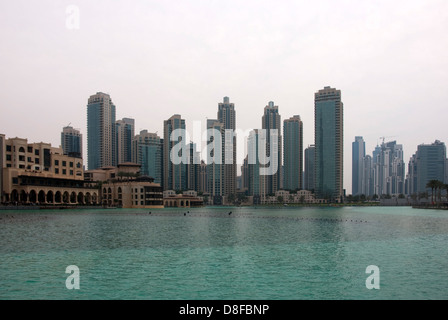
<point x="358" y="154"/>
<point x="101" y="142"/>
<point x="125" y="130"/>
<point x="148" y="149"/>
<point x="71" y="142"/>
<point x="227" y="116"/>
<point x="293" y="153"/>
<point x="174" y="175"/>
<point x="328" y="135"/>
<point x="272" y="121"/>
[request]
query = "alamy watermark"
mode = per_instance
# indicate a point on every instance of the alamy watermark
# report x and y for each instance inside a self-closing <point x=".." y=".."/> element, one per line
<point x="72" y="20"/>
<point x="373" y="280"/>
<point x="73" y="280"/>
<point x="219" y="148"/>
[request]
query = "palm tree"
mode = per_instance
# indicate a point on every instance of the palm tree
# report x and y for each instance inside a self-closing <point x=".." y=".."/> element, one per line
<point x="433" y="185"/>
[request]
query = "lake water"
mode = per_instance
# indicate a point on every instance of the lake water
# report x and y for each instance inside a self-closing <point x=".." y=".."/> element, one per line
<point x="253" y="253"/>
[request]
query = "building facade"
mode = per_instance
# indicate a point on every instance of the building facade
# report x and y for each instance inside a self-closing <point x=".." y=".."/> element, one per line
<point x="36" y="173"/>
<point x="227" y="116"/>
<point x="358" y="154"/>
<point x="174" y="174"/>
<point x="271" y="122"/>
<point x="71" y="142"/>
<point x="389" y="169"/>
<point x="293" y="153"/>
<point x="148" y="152"/>
<point x="328" y="129"/>
<point x="125" y="131"/>
<point x="215" y="154"/>
<point x="101" y="135"/>
<point x="309" y="168"/>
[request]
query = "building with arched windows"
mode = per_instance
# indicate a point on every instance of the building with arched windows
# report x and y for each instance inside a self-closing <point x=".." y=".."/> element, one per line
<point x="39" y="174"/>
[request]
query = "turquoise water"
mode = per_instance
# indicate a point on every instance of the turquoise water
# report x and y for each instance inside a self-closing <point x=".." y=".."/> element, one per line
<point x="254" y="253"/>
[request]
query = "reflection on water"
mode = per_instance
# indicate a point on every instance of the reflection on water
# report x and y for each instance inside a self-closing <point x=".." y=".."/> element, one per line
<point x="253" y="253"/>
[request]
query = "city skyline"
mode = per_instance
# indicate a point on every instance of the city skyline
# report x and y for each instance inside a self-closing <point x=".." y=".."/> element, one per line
<point x="159" y="60"/>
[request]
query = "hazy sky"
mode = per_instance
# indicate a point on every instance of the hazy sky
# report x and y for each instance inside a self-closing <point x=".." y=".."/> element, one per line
<point x="159" y="58"/>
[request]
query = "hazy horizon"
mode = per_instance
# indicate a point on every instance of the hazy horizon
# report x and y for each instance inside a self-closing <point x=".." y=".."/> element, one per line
<point x="158" y="58"/>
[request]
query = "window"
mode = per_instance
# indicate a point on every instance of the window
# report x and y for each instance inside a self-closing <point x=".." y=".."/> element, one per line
<point x="64" y="163"/>
<point x="64" y="171"/>
<point x="56" y="171"/>
<point x="21" y="158"/>
<point x="28" y="159"/>
<point x="8" y="157"/>
<point x="30" y="149"/>
<point x="8" y="148"/>
<point x="78" y="165"/>
<point x="56" y="162"/>
<point x="37" y="161"/>
<point x="71" y="172"/>
<point x="141" y="202"/>
<point x="15" y="180"/>
<point x="8" y="165"/>
<point x="71" y="164"/>
<point x="36" y="152"/>
<point x="22" y="149"/>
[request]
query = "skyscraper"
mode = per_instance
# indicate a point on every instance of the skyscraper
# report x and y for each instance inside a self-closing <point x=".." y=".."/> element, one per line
<point x="101" y="143"/>
<point x="309" y="168"/>
<point x="125" y="130"/>
<point x="174" y="174"/>
<point x="257" y="182"/>
<point x="293" y="153"/>
<point x="358" y="153"/>
<point x="193" y="168"/>
<point x="271" y="122"/>
<point x="328" y="135"/>
<point x="215" y="155"/>
<point x="388" y="169"/>
<point x="430" y="164"/>
<point x="367" y="176"/>
<point x="148" y="152"/>
<point x="71" y="142"/>
<point x="226" y="115"/>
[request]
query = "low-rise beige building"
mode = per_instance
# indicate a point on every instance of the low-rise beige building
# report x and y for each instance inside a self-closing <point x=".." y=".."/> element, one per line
<point x="188" y="199"/>
<point x="37" y="173"/>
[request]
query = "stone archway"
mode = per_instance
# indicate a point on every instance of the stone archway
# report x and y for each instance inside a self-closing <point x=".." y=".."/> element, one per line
<point x="41" y="197"/>
<point x="58" y="197"/>
<point x="33" y="196"/>
<point x="88" y="198"/>
<point x="14" y="196"/>
<point x="23" y="197"/>
<point x="73" y="197"/>
<point x="66" y="197"/>
<point x="50" y="197"/>
<point x="80" y="198"/>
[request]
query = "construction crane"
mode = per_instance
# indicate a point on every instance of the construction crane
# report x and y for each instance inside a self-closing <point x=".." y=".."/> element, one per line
<point x="384" y="138"/>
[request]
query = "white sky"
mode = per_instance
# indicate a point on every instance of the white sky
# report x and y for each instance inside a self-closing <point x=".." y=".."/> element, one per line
<point x="159" y="58"/>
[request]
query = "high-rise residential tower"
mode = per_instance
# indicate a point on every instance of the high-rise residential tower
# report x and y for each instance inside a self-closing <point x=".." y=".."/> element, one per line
<point x="174" y="173"/>
<point x="148" y="152"/>
<point x="293" y="153"/>
<point x="227" y="116"/>
<point x="358" y="154"/>
<point x="271" y="122"/>
<point x="71" y="142"/>
<point x="215" y="155"/>
<point x="328" y="135"/>
<point x="388" y="169"/>
<point x="125" y="130"/>
<point x="430" y="164"/>
<point x="309" y="168"/>
<point x="101" y="142"/>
